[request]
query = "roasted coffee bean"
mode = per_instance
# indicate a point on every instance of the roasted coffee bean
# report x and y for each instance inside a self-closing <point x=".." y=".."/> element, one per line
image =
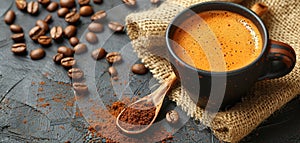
<point x="42" y="24"/>
<point x="86" y="10"/>
<point x="139" y="69"/>
<point x="37" y="54"/>
<point x="19" y="37"/>
<point x="172" y="117"/>
<point x="80" y="48"/>
<point x="99" y="54"/>
<point x="56" y="32"/>
<point x="36" y="32"/>
<point x="83" y="2"/>
<point x="33" y="7"/>
<point x="154" y="1"/>
<point x="19" y="48"/>
<point x="57" y="58"/>
<point x="113" y="57"/>
<point x="72" y="17"/>
<point x="95" y="27"/>
<point x="129" y="2"/>
<point x="68" y="62"/>
<point x="73" y="41"/>
<point x="66" y="51"/>
<point x="9" y="17"/>
<point x="62" y="12"/>
<point x="115" y="26"/>
<point x="44" y="40"/>
<point x="98" y="1"/>
<point x="80" y="88"/>
<point x="70" y="31"/>
<point x="113" y="72"/>
<point x="75" y="73"/>
<point x="98" y="15"/>
<point x="52" y="6"/>
<point x="44" y="2"/>
<point x="48" y="18"/>
<point x="16" y="28"/>
<point x="21" y="4"/>
<point x="91" y="37"/>
<point x="67" y="3"/>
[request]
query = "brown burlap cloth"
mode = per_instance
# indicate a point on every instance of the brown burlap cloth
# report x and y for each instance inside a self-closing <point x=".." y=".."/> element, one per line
<point x="147" y="29"/>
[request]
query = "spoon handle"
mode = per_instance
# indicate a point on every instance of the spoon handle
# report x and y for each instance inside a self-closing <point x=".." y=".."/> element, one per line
<point x="159" y="94"/>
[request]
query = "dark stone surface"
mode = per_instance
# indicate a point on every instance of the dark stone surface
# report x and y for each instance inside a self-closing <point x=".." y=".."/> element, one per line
<point x="37" y="103"/>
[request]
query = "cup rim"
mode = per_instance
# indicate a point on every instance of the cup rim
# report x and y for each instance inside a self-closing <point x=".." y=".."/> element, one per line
<point x="230" y="72"/>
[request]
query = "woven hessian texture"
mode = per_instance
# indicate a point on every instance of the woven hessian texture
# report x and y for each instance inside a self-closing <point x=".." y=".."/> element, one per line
<point x="147" y="30"/>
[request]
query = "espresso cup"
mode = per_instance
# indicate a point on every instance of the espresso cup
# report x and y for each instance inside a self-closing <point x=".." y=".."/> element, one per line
<point x="213" y="81"/>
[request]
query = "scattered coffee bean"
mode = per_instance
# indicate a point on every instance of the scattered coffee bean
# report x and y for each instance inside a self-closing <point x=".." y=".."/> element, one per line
<point x="113" y="72"/>
<point x="75" y="73"/>
<point x="57" y="58"/>
<point x="154" y="1"/>
<point x="139" y="69"/>
<point x="19" y="48"/>
<point x="86" y="10"/>
<point x="42" y="24"/>
<point x="16" y="28"/>
<point x="70" y="31"/>
<point x="115" y="26"/>
<point x="80" y="88"/>
<point x="91" y="37"/>
<point x="80" y="48"/>
<point x="129" y="2"/>
<point x="98" y="1"/>
<point x="52" y="6"/>
<point x="95" y="27"/>
<point x="48" y="18"/>
<point x="172" y="117"/>
<point x="36" y="32"/>
<point x="72" y="17"/>
<point x="113" y="57"/>
<point x="62" y="12"/>
<point x="67" y="3"/>
<point x="19" y="37"/>
<point x="56" y="32"/>
<point x="44" y="2"/>
<point x="44" y="40"/>
<point x="66" y="51"/>
<point x="83" y="2"/>
<point x="33" y="7"/>
<point x="68" y="62"/>
<point x="98" y="54"/>
<point x="9" y="17"/>
<point x="37" y="54"/>
<point x="98" y="15"/>
<point x="73" y="41"/>
<point x="21" y="4"/>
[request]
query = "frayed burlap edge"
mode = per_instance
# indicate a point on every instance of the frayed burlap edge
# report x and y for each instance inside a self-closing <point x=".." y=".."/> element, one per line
<point x="147" y="29"/>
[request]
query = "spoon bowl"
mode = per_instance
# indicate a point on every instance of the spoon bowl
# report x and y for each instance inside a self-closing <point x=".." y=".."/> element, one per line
<point x="156" y="98"/>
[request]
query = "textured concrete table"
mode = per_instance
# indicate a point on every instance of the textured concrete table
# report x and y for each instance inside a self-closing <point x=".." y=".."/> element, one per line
<point x="37" y="103"/>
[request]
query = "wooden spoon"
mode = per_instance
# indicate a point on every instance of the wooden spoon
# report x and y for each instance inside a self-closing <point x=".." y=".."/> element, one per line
<point x="157" y="98"/>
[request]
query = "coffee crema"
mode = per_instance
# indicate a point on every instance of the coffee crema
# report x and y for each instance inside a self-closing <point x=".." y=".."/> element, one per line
<point x="217" y="41"/>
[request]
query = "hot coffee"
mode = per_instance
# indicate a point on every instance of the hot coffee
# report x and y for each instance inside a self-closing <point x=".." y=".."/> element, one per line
<point x="218" y="40"/>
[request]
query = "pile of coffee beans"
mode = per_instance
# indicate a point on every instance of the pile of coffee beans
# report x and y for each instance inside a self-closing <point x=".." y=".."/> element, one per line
<point x="64" y="56"/>
<point x="43" y="34"/>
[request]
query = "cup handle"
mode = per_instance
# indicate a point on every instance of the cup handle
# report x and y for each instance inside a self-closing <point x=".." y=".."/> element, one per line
<point x="281" y="60"/>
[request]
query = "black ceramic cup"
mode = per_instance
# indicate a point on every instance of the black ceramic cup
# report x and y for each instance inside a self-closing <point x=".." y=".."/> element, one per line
<point x="222" y="89"/>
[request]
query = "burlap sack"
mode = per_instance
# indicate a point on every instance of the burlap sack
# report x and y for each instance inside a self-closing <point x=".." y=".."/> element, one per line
<point x="146" y="29"/>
